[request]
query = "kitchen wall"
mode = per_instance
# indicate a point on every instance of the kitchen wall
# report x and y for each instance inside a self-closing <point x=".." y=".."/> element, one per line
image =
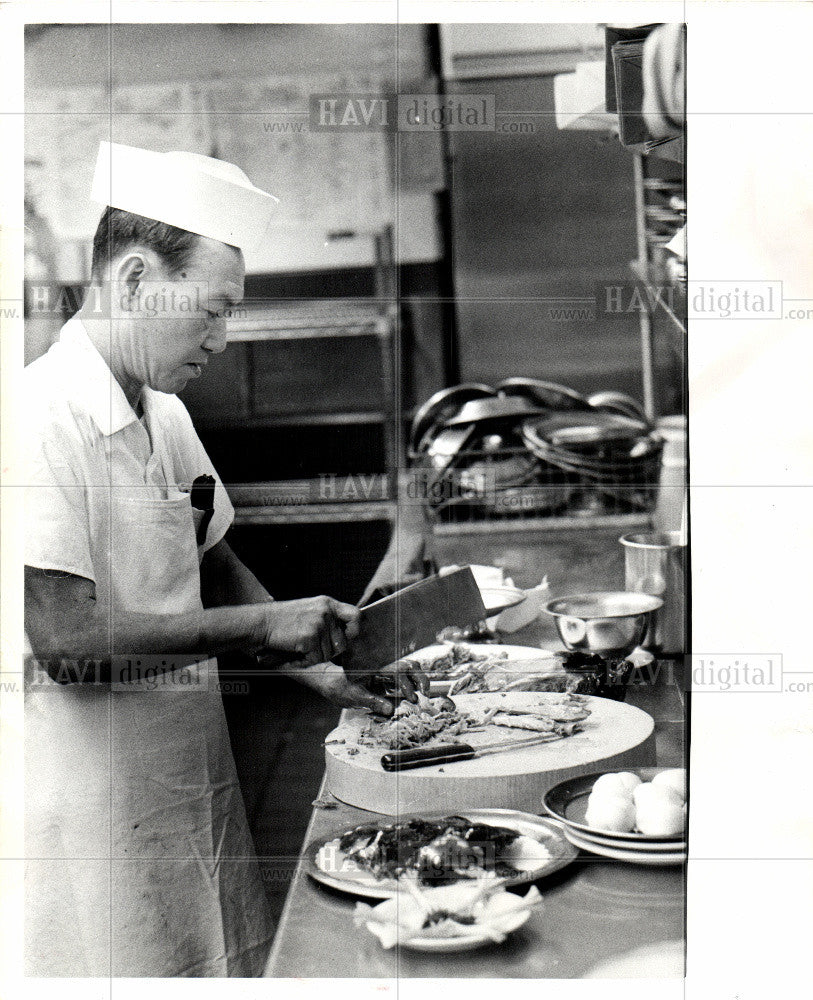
<point x="240" y="92"/>
<point x="80" y="55"/>
<point x="540" y="217"/>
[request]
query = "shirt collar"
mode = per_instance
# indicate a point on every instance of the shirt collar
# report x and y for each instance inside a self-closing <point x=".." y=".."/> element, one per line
<point x="101" y="394"/>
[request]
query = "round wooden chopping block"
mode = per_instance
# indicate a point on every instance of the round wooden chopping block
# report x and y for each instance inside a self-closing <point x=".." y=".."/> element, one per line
<point x="615" y="736"/>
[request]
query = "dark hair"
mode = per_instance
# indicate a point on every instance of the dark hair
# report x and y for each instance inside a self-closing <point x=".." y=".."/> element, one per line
<point x="118" y="230"/>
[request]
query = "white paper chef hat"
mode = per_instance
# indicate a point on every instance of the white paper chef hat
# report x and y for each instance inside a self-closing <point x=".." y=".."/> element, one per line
<point x="187" y="190"/>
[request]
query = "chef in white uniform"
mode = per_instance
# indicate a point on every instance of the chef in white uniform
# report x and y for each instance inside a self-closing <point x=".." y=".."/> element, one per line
<point x="139" y="857"/>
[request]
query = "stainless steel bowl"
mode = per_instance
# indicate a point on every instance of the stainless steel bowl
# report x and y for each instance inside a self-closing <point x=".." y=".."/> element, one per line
<point x="607" y="622"/>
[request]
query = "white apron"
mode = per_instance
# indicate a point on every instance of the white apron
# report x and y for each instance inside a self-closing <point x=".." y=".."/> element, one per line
<point x="139" y="860"/>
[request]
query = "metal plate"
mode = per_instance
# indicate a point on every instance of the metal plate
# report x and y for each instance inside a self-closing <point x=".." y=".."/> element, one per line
<point x="662" y="846"/>
<point x="444" y="402"/>
<point x="618" y="402"/>
<point x="632" y="855"/>
<point x="577" y="431"/>
<point x="324" y="862"/>
<point x="567" y="802"/>
<point x="511" y="408"/>
<point x="515" y="655"/>
<point x="550" y="394"/>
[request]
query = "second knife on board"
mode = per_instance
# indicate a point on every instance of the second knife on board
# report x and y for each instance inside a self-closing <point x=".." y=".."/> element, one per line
<point x="404" y="760"/>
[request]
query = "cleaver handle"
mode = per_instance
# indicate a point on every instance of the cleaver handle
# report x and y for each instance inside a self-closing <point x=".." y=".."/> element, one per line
<point x="403" y="760"/>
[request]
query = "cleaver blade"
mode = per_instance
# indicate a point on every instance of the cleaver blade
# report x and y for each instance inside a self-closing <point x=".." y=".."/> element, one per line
<point x="411" y="618"/>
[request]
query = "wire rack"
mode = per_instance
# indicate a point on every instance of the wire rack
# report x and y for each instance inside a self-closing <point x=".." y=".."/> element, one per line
<point x="510" y="484"/>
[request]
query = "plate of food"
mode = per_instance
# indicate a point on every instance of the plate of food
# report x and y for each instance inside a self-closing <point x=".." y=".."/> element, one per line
<point x="638" y="809"/>
<point x="447" y="918"/>
<point x="372" y="859"/>
<point x="452" y="667"/>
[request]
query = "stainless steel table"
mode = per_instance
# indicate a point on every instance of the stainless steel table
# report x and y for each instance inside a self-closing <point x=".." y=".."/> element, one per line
<point x="595" y="909"/>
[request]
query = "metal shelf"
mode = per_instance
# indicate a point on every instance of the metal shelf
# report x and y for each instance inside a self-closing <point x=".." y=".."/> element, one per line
<point x="312" y="322"/>
<point x="300" y="420"/>
<point x="279" y="320"/>
<point x="642" y="268"/>
<point x="621" y="522"/>
<point x="644" y="273"/>
<point x="336" y="513"/>
<point x="325" y="499"/>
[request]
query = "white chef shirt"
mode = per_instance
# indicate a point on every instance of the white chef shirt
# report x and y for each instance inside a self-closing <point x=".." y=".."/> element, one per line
<point x="84" y="443"/>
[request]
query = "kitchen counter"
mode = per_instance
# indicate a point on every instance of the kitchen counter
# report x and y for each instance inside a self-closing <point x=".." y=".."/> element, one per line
<point x="595" y="909"/>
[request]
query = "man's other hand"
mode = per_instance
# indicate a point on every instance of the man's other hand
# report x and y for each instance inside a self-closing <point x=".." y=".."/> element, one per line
<point x="332" y="683"/>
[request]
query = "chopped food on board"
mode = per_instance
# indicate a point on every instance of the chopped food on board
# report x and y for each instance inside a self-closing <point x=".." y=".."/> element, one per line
<point x="432" y="721"/>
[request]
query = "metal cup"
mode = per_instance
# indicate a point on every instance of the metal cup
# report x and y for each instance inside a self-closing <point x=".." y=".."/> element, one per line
<point x="655" y="563"/>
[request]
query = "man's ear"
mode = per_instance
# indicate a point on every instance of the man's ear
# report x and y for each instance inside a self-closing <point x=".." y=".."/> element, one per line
<point x="130" y="274"/>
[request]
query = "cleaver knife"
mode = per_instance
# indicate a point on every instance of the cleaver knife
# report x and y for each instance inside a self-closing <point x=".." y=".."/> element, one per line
<point x="411" y="618"/>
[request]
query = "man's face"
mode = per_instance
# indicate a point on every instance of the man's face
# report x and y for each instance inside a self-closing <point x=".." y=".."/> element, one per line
<point x="175" y="322"/>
